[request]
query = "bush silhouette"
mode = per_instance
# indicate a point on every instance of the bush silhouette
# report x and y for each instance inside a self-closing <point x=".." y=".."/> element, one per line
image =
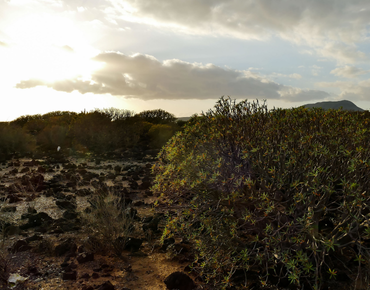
<point x="281" y="195"/>
<point x="53" y="136"/>
<point x="157" y="116"/>
<point x="15" y="140"/>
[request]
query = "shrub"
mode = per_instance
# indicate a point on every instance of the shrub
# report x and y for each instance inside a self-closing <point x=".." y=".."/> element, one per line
<point x="116" y="114"/>
<point x="52" y="136"/>
<point x="157" y="116"/>
<point x="24" y="120"/>
<point x="110" y="222"/>
<point x="14" y="139"/>
<point x="160" y="134"/>
<point x="280" y="194"/>
<point x="93" y="131"/>
<point x="131" y="132"/>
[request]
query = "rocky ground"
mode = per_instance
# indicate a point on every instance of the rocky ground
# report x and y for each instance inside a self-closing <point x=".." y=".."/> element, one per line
<point x="46" y="245"/>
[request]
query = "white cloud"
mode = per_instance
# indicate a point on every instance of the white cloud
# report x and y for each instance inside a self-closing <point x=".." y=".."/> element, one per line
<point x="350" y="90"/>
<point x="298" y="95"/>
<point x="291" y="76"/>
<point x="144" y="77"/>
<point x="348" y="71"/>
<point x="343" y="53"/>
<point x="315" y="70"/>
<point x="331" y="28"/>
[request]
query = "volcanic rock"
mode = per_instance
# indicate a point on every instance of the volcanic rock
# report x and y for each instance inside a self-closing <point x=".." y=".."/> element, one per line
<point x="179" y="281"/>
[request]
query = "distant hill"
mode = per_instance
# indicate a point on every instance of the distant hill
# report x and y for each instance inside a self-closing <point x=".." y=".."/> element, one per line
<point x="183" y="119"/>
<point x="346" y="105"/>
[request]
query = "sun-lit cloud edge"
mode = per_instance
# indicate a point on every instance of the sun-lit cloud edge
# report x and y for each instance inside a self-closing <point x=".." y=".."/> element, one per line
<point x="144" y="77"/>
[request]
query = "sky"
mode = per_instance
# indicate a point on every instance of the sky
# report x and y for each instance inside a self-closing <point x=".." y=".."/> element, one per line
<point x="180" y="55"/>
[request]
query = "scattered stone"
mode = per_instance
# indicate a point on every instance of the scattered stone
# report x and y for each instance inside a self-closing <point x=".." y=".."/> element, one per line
<point x="33" y="238"/>
<point x="36" y="220"/>
<point x="145" y="185"/>
<point x="10" y="230"/>
<point x="133" y="184"/>
<point x="8" y="209"/>
<point x="166" y="243"/>
<point x="133" y="244"/>
<point x="41" y="169"/>
<point x="66" y="204"/>
<point x="33" y="271"/>
<point x="179" y="281"/>
<point x="70" y="214"/>
<point x="85" y="276"/>
<point x="33" y="183"/>
<point x="19" y="246"/>
<point x="106" y="286"/>
<point x="138" y="203"/>
<point x="153" y="223"/>
<point x="67" y="246"/>
<point x="12" y="198"/>
<point x="148" y="193"/>
<point x="31" y="210"/>
<point x="31" y="163"/>
<point x="70" y="275"/>
<point x="85" y="257"/>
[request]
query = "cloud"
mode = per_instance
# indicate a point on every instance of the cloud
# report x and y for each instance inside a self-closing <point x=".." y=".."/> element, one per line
<point x="67" y="48"/>
<point x="343" y="53"/>
<point x="144" y="77"/>
<point x="330" y="28"/>
<point x="291" y="76"/>
<point x="3" y="44"/>
<point x="355" y="91"/>
<point x="315" y="70"/>
<point x="348" y="71"/>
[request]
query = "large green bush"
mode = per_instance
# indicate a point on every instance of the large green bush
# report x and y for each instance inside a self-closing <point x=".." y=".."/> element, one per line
<point x="281" y="195"/>
<point x="161" y="133"/>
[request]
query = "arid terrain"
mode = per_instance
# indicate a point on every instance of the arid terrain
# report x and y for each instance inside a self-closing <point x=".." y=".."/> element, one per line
<point x="45" y="236"/>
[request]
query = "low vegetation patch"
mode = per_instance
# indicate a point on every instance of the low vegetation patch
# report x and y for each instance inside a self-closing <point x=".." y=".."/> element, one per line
<point x="109" y="222"/>
<point x="280" y="195"/>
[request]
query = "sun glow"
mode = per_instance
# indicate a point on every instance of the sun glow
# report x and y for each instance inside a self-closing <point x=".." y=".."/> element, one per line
<point x="48" y="48"/>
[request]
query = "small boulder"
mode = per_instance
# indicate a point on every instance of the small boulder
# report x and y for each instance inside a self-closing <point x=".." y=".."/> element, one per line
<point x="179" y="281"/>
<point x="133" y="244"/>
<point x="70" y="275"/>
<point x="106" y="286"/>
<point x="85" y="257"/>
<point x="19" y="246"/>
<point x="67" y="246"/>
